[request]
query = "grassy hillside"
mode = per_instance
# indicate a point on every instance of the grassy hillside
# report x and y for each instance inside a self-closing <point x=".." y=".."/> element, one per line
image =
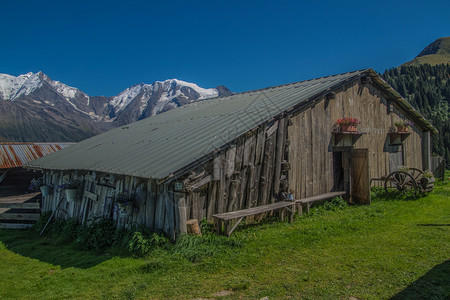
<point x="436" y="53"/>
<point x="389" y="249"/>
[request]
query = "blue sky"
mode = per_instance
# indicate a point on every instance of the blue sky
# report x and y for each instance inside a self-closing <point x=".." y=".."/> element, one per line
<point x="103" y="47"/>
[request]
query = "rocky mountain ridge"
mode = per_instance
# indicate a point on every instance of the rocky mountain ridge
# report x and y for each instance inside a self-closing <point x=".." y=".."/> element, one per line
<point x="33" y="107"/>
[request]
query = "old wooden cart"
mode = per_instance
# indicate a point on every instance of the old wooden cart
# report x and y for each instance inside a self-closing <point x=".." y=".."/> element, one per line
<point x="408" y="183"/>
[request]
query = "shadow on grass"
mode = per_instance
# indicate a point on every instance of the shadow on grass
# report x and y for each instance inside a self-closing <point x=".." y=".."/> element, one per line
<point x="47" y="249"/>
<point x="435" y="284"/>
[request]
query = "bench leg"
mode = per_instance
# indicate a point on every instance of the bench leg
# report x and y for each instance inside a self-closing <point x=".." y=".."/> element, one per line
<point x="235" y="225"/>
<point x="218" y="226"/>
<point x="226" y="227"/>
<point x="299" y="207"/>
<point x="291" y="217"/>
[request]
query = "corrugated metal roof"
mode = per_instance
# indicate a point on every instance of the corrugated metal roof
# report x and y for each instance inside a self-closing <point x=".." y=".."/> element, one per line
<point x="14" y="155"/>
<point x="158" y="146"/>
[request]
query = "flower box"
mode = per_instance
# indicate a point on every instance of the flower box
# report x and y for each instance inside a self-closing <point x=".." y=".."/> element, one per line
<point x="45" y="190"/>
<point x="348" y="124"/>
<point x="348" y="128"/>
<point x="126" y="210"/>
<point x="71" y="194"/>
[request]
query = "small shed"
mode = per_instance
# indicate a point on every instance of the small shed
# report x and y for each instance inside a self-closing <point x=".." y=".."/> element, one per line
<point x="242" y="151"/>
<point x="13" y="155"/>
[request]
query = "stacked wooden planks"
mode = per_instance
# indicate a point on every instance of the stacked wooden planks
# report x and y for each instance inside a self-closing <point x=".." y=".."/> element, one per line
<point x="20" y="211"/>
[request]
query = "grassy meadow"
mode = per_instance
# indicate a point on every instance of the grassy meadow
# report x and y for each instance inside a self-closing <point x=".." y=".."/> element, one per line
<point x="390" y="249"/>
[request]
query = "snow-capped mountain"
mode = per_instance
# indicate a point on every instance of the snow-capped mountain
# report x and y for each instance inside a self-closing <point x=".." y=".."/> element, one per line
<point x="12" y="87"/>
<point x="34" y="101"/>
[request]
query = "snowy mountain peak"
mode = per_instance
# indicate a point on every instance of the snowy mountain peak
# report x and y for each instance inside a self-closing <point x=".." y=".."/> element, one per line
<point x="12" y="87"/>
<point x="160" y="96"/>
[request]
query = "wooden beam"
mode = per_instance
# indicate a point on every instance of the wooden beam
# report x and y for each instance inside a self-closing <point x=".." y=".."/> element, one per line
<point x="202" y="182"/>
<point x="14" y="226"/>
<point x="320" y="197"/>
<point x="234" y="226"/>
<point x="90" y="195"/>
<point x="24" y="217"/>
<point x="272" y="129"/>
<point x="31" y="205"/>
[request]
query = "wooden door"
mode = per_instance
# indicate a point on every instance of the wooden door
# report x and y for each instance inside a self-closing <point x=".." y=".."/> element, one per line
<point x="360" y="182"/>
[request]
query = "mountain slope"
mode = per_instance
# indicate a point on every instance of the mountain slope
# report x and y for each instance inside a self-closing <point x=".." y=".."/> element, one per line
<point x="437" y="52"/>
<point x="37" y="108"/>
<point x="427" y="88"/>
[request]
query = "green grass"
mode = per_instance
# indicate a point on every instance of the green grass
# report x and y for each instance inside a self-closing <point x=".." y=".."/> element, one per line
<point x="389" y="249"/>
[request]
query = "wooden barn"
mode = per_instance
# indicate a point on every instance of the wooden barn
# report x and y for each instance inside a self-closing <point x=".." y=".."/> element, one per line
<point x="249" y="150"/>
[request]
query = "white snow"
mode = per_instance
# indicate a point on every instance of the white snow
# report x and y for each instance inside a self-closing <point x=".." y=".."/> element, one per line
<point x="204" y="93"/>
<point x="9" y="85"/>
<point x="122" y="100"/>
<point x="168" y="95"/>
<point x="32" y="83"/>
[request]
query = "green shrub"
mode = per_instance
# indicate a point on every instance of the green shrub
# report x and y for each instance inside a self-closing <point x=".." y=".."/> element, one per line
<point x="142" y="245"/>
<point x="69" y="230"/>
<point x="337" y="203"/>
<point x="97" y="236"/>
<point x="206" y="227"/>
<point x="377" y="192"/>
<point x="40" y="223"/>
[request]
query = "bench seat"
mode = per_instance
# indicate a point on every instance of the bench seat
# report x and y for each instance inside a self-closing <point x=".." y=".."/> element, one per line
<point x="286" y="205"/>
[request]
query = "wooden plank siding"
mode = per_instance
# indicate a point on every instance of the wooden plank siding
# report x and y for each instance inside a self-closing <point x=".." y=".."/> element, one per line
<point x="247" y="172"/>
<point x="311" y="138"/>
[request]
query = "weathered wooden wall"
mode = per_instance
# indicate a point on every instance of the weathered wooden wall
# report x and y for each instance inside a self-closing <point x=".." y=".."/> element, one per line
<point x="246" y="174"/>
<point x="153" y="206"/>
<point x="312" y="142"/>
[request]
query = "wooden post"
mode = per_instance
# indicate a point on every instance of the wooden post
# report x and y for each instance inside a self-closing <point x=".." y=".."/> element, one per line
<point x="180" y="202"/>
<point x="279" y="151"/>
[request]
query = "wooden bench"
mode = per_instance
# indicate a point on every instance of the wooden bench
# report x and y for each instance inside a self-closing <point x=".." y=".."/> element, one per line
<point x="306" y="202"/>
<point x="223" y="220"/>
<point x="240" y="214"/>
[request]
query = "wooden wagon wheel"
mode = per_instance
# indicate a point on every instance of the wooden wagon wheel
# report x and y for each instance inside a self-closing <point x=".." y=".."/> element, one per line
<point x="416" y="173"/>
<point x="401" y="184"/>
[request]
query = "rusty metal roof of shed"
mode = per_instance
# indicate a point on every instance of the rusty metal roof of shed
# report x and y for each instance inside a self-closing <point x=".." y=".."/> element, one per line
<point x="158" y="146"/>
<point x="13" y="155"/>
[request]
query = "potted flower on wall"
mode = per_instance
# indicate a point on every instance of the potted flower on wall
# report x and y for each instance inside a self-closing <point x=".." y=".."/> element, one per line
<point x="348" y="124"/>
<point x="38" y="185"/>
<point x="70" y="189"/>
<point x="402" y="125"/>
<point x="125" y="203"/>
